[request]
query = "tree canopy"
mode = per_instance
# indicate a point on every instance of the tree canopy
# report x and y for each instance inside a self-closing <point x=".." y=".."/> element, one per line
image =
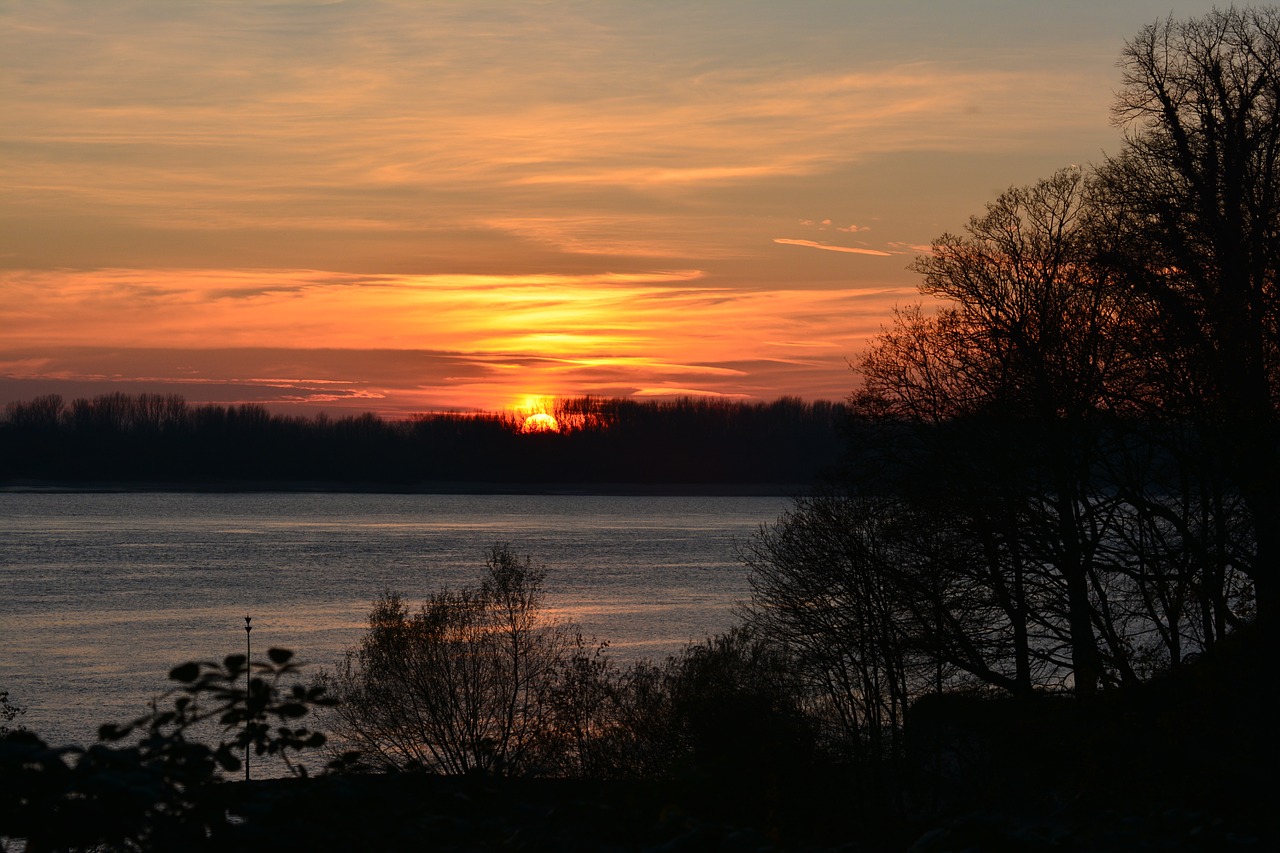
<point x="1069" y="472"/>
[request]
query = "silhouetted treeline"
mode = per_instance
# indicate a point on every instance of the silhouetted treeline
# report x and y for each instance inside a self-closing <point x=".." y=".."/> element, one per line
<point x="161" y="438"/>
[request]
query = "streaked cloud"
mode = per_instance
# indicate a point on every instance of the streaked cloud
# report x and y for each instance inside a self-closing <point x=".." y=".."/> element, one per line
<point x="414" y="342"/>
<point x="577" y="196"/>
<point x="827" y="247"/>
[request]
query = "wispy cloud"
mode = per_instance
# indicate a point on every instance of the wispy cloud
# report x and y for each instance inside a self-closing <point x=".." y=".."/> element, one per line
<point x="353" y="120"/>
<point x="826" y="247"/>
<point x="675" y="391"/>
<point x="508" y="193"/>
<point x="911" y="248"/>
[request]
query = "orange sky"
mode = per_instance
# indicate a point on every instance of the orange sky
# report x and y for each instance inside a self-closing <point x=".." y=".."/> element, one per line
<point x="402" y="206"/>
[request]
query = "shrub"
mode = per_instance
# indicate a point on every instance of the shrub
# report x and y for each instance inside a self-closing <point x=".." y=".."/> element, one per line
<point x="148" y="784"/>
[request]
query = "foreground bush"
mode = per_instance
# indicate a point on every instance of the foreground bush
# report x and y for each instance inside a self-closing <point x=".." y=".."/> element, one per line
<point x="478" y="680"/>
<point x="149" y="784"/>
<point x="467" y="684"/>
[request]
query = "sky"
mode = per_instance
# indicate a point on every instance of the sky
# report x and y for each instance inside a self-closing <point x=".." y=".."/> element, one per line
<point x="401" y="207"/>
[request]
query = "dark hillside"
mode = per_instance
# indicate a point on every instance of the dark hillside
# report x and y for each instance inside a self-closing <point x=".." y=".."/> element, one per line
<point x="1182" y="762"/>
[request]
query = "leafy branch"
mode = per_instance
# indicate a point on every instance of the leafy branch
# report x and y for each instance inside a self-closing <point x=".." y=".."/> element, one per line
<point x="150" y="784"/>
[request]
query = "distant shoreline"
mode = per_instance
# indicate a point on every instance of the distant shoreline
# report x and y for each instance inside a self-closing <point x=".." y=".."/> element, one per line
<point x="425" y="488"/>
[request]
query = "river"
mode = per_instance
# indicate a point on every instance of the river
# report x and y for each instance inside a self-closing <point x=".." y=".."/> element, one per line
<point x="104" y="592"/>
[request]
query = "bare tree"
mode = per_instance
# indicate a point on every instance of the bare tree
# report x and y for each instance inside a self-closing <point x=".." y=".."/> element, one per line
<point x="1194" y="204"/>
<point x="467" y="683"/>
<point x="1030" y="345"/>
<point x="823" y="586"/>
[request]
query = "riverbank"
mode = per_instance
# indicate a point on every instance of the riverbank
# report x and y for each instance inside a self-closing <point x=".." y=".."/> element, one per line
<point x="1181" y="763"/>
<point x="823" y="811"/>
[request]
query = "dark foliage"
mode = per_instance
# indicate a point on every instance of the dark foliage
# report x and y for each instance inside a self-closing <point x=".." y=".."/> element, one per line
<point x="8" y="712"/>
<point x="152" y="784"/>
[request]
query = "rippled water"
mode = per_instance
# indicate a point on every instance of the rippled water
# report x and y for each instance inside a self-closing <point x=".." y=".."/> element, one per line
<point x="103" y="593"/>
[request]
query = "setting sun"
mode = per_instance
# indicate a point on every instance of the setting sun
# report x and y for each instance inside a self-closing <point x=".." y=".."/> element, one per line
<point x="540" y="422"/>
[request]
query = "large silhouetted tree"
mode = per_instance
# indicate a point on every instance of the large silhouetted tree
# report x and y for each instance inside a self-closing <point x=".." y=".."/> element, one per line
<point x="1046" y="512"/>
<point x="1030" y="347"/>
<point x="826" y="587"/>
<point x="1194" y="200"/>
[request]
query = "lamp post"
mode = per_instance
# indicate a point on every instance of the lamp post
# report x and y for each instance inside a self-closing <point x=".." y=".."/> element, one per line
<point x="248" y="688"/>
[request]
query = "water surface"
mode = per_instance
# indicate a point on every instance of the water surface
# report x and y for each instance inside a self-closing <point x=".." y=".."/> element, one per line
<point x="103" y="592"/>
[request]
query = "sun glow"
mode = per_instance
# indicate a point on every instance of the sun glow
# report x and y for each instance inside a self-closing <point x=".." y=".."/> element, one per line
<point x="413" y="343"/>
<point x="540" y="422"/>
<point x="537" y="416"/>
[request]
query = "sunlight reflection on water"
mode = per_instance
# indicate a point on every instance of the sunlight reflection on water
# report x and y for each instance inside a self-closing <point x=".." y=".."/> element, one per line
<point x="103" y="593"/>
